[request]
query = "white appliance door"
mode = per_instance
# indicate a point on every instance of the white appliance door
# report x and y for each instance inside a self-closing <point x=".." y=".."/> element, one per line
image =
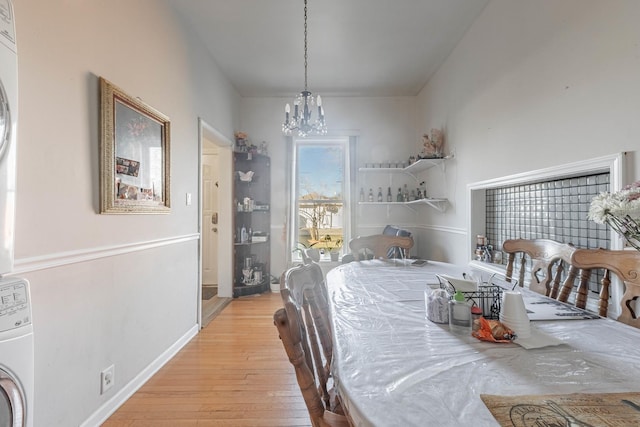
<point x="5" y="121"/>
<point x="7" y="174"/>
<point x="8" y="130"/>
<point x="12" y="406"/>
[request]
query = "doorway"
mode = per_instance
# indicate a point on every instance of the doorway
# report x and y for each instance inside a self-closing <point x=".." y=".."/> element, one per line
<point x="215" y="218"/>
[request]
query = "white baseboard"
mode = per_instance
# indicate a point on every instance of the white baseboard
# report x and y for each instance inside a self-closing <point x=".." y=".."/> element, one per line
<point x="110" y="406"/>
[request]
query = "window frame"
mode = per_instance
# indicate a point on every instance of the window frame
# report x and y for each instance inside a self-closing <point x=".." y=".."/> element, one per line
<point x="348" y="147"/>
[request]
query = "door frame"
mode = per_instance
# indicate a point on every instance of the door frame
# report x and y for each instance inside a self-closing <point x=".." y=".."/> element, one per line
<point x="225" y="225"/>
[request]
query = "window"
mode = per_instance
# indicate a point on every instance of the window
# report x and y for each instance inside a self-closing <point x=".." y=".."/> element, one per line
<point x="320" y="196"/>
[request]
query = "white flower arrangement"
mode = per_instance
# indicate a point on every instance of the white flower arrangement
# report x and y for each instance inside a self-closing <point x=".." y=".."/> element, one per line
<point x="621" y="211"/>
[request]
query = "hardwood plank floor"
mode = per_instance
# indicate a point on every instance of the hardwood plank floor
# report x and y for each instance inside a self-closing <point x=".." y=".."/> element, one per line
<point x="233" y="373"/>
<point x="212" y="307"/>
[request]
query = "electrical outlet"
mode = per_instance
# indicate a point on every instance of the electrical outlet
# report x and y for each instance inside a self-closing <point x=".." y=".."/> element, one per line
<point x="107" y="378"/>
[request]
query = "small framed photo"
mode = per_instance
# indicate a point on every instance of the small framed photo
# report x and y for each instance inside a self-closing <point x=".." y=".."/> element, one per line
<point x="135" y="155"/>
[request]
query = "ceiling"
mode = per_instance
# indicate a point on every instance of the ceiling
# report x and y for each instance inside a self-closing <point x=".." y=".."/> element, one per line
<point x="355" y="47"/>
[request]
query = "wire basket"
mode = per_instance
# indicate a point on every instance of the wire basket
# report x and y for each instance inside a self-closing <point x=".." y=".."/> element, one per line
<point x="488" y="297"/>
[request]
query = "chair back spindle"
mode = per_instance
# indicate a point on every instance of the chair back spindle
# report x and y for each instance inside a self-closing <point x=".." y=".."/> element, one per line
<point x="548" y="258"/>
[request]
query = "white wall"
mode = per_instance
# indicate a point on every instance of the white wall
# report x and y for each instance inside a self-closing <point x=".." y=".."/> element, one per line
<point x="106" y="289"/>
<point x="532" y="85"/>
<point x="385" y="130"/>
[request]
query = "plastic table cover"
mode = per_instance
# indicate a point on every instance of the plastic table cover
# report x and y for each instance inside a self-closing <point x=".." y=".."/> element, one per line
<point x="393" y="367"/>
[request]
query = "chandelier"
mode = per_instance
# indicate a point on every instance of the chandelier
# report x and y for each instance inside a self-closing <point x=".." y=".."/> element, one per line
<point x="301" y="122"/>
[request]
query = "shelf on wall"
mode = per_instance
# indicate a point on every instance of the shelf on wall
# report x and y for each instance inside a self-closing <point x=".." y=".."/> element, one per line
<point x="249" y="243"/>
<point x="413" y="169"/>
<point x="241" y="289"/>
<point x="438" y="204"/>
<point x="424" y="164"/>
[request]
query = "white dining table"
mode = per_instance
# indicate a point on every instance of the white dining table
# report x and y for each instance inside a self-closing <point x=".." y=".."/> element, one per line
<point x="394" y="367"/>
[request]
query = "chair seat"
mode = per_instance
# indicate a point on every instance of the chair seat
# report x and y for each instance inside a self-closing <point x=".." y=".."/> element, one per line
<point x="335" y="420"/>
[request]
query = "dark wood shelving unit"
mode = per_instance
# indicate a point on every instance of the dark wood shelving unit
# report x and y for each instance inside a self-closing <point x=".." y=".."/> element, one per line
<point x="254" y="216"/>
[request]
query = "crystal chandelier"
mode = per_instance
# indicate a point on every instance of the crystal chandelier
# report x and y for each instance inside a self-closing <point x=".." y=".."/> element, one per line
<point x="301" y="122"/>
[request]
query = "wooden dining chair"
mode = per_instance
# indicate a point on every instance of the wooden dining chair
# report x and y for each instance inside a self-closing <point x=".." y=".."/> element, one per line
<point x="625" y="265"/>
<point x="304" y="286"/>
<point x="288" y="321"/>
<point x="548" y="260"/>
<point x="378" y="245"/>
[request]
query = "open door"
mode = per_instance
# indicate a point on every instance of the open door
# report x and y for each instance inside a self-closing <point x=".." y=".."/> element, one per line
<point x="215" y="222"/>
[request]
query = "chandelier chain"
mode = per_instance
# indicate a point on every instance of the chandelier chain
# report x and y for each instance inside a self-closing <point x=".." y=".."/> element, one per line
<point x="305" y="45"/>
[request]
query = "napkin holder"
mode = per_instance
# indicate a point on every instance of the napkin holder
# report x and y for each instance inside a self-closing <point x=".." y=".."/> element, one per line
<point x="462" y="285"/>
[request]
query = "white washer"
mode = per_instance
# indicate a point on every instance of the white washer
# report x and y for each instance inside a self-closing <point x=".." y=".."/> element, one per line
<point x="16" y="354"/>
<point x="8" y="130"/>
<point x="16" y="330"/>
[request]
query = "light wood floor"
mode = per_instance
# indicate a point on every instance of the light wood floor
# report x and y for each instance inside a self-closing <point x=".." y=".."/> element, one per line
<point x="212" y="307"/>
<point x="233" y="373"/>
